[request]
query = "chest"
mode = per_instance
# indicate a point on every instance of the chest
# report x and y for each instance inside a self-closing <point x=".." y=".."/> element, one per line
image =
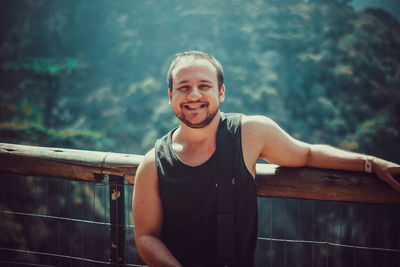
<point x="194" y="155"/>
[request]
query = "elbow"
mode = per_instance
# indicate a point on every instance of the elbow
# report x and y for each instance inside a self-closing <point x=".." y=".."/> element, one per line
<point x="145" y="243"/>
<point x="143" y="238"/>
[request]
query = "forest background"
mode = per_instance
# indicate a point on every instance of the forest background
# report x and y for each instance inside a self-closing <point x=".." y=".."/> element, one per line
<point x="92" y="75"/>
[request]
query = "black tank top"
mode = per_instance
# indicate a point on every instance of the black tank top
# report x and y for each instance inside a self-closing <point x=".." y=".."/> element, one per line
<point x="188" y="197"/>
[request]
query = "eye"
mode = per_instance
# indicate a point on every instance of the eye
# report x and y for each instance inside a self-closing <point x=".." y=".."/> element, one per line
<point x="183" y="88"/>
<point x="204" y="86"/>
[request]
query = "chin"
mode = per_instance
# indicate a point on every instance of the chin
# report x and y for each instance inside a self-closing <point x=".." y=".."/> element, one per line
<point x="204" y="123"/>
<point x="197" y="124"/>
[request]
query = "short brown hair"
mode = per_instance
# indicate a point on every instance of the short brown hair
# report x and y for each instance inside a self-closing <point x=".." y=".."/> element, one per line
<point x="196" y="55"/>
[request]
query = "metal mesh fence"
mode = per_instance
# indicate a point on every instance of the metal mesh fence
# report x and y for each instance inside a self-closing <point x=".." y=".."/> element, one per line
<point x="294" y="232"/>
<point x="56" y="222"/>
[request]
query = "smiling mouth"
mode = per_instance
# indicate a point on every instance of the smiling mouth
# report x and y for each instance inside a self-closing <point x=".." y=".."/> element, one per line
<point x="194" y="106"/>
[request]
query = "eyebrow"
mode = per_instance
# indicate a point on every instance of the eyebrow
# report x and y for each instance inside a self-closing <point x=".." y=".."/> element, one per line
<point x="201" y="81"/>
<point x="184" y="81"/>
<point x="205" y="81"/>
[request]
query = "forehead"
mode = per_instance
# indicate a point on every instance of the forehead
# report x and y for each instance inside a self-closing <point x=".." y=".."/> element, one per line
<point x="192" y="68"/>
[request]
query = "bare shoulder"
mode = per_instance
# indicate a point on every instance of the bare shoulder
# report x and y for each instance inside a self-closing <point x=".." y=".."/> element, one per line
<point x="147" y="169"/>
<point x="257" y="131"/>
<point x="270" y="142"/>
<point x="254" y="131"/>
<point x="146" y="202"/>
<point x="258" y="125"/>
<point x="149" y="158"/>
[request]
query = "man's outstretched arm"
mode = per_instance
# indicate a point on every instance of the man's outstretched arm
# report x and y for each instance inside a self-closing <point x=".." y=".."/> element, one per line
<point x="276" y="146"/>
<point x="323" y="156"/>
<point x="147" y="215"/>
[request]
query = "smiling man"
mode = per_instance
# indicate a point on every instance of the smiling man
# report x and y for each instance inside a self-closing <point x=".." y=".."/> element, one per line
<point x="195" y="199"/>
<point x="193" y="101"/>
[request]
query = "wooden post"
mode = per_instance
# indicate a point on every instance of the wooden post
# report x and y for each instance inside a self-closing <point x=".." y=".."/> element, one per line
<point x="117" y="220"/>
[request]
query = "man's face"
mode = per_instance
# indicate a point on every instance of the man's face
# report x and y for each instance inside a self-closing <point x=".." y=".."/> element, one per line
<point x="195" y="97"/>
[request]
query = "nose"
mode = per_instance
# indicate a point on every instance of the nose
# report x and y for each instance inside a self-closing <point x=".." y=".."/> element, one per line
<point x="194" y="93"/>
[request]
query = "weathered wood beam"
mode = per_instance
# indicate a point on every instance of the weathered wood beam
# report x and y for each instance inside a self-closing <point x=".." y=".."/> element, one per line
<point x="323" y="184"/>
<point x="272" y="181"/>
<point x="66" y="163"/>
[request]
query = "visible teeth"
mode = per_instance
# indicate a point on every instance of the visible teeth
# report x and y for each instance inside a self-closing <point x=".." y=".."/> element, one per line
<point x="194" y="107"/>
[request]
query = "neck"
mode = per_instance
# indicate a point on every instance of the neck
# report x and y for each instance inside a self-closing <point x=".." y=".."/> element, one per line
<point x="191" y="136"/>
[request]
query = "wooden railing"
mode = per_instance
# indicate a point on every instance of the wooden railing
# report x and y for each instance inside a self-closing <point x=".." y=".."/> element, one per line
<point x="272" y="180"/>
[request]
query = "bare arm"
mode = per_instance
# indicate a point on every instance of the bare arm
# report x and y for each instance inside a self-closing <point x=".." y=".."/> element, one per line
<point x="147" y="214"/>
<point x="268" y="141"/>
<point x="323" y="156"/>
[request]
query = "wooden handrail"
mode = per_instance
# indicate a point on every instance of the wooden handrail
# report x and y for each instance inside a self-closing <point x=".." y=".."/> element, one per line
<point x="272" y="180"/>
<point x="66" y="163"/>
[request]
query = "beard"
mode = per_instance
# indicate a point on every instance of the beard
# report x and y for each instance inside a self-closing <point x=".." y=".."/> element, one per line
<point x="210" y="115"/>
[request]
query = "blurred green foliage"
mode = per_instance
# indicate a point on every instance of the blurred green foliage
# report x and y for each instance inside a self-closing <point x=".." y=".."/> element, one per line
<point x="45" y="65"/>
<point x="320" y="69"/>
<point x="91" y="74"/>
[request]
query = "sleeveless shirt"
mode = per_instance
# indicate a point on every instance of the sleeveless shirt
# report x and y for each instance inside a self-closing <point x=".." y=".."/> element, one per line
<point x="189" y="195"/>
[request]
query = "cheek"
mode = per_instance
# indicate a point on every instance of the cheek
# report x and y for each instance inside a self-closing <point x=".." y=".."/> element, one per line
<point x="174" y="100"/>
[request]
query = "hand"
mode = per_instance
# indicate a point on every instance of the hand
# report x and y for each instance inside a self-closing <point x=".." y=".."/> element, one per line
<point x="386" y="171"/>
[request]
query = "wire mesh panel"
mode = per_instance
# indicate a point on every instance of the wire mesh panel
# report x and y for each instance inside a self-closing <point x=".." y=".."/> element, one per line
<point x="56" y="222"/>
<point x="294" y="232"/>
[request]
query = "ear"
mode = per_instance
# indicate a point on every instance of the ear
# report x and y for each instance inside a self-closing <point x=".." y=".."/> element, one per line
<point x="169" y="95"/>
<point x="221" y="94"/>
